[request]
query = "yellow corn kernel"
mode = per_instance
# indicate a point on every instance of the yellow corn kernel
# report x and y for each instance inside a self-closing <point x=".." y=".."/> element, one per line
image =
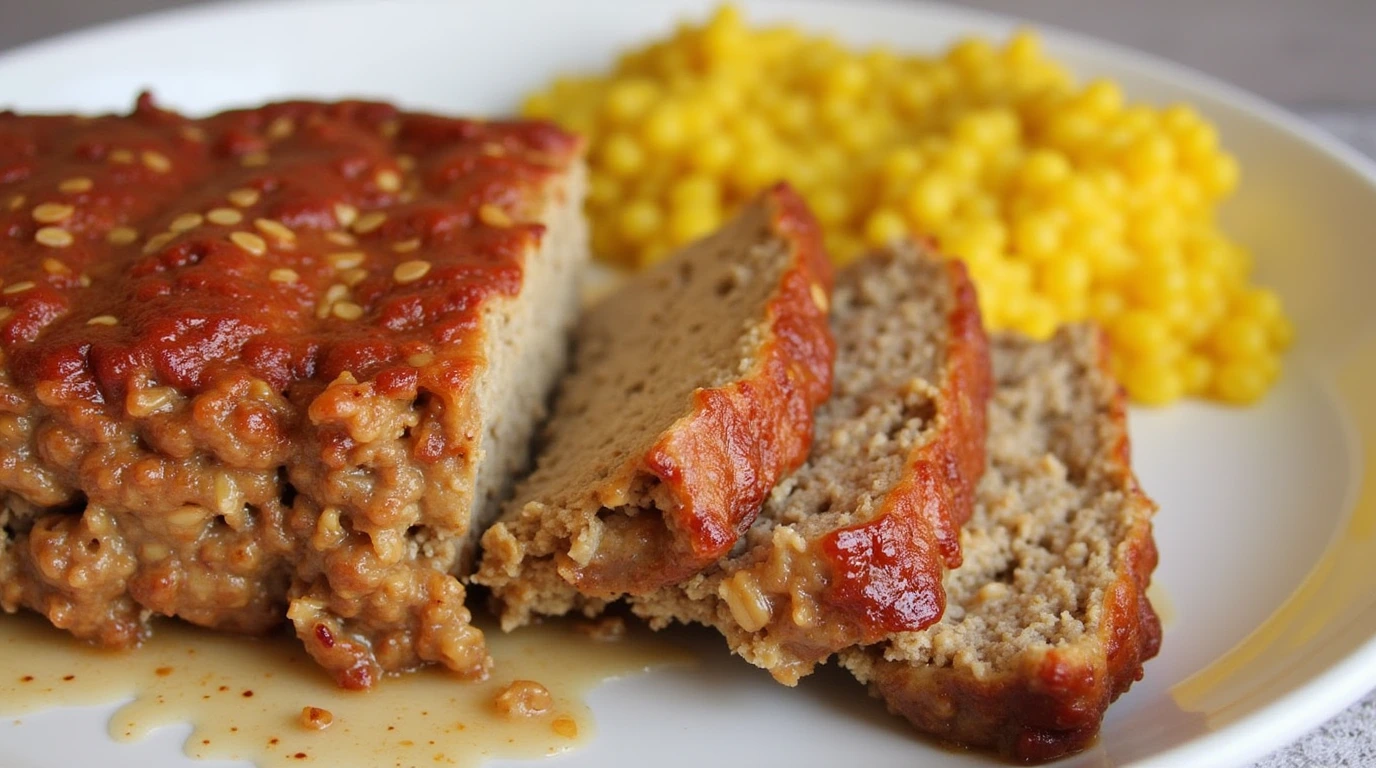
<point x="622" y="156"/>
<point x="689" y="223"/>
<point x="640" y="221"/>
<point x="1240" y="338"/>
<point x="1153" y="384"/>
<point x="931" y="199"/>
<point x="1240" y="383"/>
<point x="627" y="100"/>
<point x="883" y="227"/>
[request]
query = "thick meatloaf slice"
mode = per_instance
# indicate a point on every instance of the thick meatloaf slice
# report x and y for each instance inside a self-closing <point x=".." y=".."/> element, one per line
<point x="852" y="546"/>
<point x="692" y="394"/>
<point x="279" y="362"/>
<point x="1047" y="621"/>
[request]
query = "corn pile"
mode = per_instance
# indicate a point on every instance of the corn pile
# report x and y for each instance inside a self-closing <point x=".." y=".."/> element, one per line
<point x="1066" y="202"/>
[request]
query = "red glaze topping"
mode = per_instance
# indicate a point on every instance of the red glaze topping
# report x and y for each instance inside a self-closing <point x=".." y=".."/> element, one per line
<point x="886" y="572"/>
<point x="302" y="240"/>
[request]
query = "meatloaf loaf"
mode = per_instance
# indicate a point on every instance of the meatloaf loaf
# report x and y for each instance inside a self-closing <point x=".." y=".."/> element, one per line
<point x="852" y="546"/>
<point x="692" y="394"/>
<point x="279" y="362"/>
<point x="1047" y="621"/>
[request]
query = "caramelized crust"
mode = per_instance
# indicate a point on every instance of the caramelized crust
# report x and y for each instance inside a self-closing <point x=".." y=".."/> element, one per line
<point x="1070" y="521"/>
<point x="246" y="365"/>
<point x="853" y="546"/>
<point x="721" y="353"/>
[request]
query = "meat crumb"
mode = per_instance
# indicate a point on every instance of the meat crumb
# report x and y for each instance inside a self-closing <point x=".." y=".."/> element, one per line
<point x="604" y="629"/>
<point x="565" y="726"/>
<point x="316" y="719"/>
<point x="523" y="698"/>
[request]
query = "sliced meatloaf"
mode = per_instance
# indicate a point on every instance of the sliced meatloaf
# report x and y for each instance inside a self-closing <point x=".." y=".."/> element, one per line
<point x="852" y="546"/>
<point x="279" y="362"/>
<point x="1047" y="621"/>
<point x="692" y="393"/>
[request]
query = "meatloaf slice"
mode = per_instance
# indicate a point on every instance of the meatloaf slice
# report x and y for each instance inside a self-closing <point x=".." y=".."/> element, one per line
<point x="1047" y="621"/>
<point x="692" y="394"/>
<point x="852" y="546"/>
<point x="279" y="362"/>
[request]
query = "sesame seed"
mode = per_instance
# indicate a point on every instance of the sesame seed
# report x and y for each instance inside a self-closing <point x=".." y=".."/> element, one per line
<point x="156" y="162"/>
<point x="275" y="229"/>
<point x="388" y="180"/>
<point x="249" y="242"/>
<point x="192" y="133"/>
<point x="122" y="236"/>
<point x="54" y="267"/>
<point x="389" y="128"/>
<point x="335" y="293"/>
<point x="281" y="128"/>
<point x="352" y="277"/>
<point x="493" y="150"/>
<point x="347" y="310"/>
<point x="77" y="184"/>
<point x="819" y="296"/>
<point x="156" y="242"/>
<point x="121" y="156"/>
<point x="84" y="281"/>
<point x="420" y="358"/>
<point x="283" y="276"/>
<point x="369" y="222"/>
<point x="243" y="197"/>
<point x="406" y="246"/>
<point x="493" y="216"/>
<point x="227" y="217"/>
<point x="345" y="259"/>
<point x="52" y="213"/>
<point x="186" y="221"/>
<point x="17" y="202"/>
<point x="406" y="162"/>
<point x="103" y="320"/>
<point x="5" y="313"/>
<point x="254" y="159"/>
<point x="410" y="271"/>
<point x="341" y="238"/>
<point x="19" y="287"/>
<point x="345" y="214"/>
<point x="53" y="237"/>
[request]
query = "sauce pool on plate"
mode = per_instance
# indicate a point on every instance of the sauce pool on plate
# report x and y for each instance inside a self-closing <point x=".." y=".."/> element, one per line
<point x="265" y="702"/>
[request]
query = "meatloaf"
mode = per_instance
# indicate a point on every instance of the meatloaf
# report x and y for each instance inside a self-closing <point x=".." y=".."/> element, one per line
<point x="852" y="546"/>
<point x="275" y="363"/>
<point x="1047" y="621"/>
<point x="692" y="394"/>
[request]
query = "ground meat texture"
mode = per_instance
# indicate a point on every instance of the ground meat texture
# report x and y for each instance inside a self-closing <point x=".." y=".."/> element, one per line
<point x="276" y="363"/>
<point x="1047" y="621"/>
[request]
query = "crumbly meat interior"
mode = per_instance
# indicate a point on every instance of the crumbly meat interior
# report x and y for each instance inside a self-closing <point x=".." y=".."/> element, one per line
<point x="693" y="322"/>
<point x="690" y="323"/>
<point x="1047" y="620"/>
<point x="1040" y="549"/>
<point x="890" y="321"/>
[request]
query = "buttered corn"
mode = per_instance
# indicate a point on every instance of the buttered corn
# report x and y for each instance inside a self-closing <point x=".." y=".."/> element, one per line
<point x="1066" y="201"/>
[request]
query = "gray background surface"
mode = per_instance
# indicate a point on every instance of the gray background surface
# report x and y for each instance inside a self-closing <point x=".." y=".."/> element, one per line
<point x="1317" y="57"/>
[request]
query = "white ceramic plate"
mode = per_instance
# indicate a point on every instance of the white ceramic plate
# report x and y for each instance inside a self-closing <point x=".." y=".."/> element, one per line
<point x="1267" y="528"/>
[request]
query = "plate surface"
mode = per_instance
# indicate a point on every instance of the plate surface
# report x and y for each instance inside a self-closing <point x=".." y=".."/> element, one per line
<point x="1267" y="527"/>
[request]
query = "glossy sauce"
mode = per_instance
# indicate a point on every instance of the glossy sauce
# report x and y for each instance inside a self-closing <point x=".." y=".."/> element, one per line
<point x="245" y="697"/>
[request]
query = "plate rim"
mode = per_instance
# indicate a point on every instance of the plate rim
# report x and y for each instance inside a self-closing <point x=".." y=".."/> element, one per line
<point x="1284" y="719"/>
